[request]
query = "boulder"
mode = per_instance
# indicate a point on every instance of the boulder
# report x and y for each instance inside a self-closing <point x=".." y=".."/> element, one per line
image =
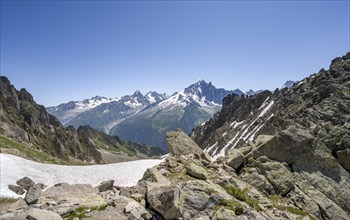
<point x="105" y="185"/>
<point x="286" y="146"/>
<point x="235" y="159"/>
<point x="179" y="143"/>
<point x="40" y="214"/>
<point x="25" y="183"/>
<point x="196" y="171"/>
<point x="135" y="210"/>
<point x="33" y="194"/>
<point x="110" y="213"/>
<point x="165" y="200"/>
<point x="201" y="196"/>
<point x="121" y="202"/>
<point x="70" y="197"/>
<point x="17" y="189"/>
<point x="343" y="157"/>
<point x="224" y="214"/>
<point x="279" y="176"/>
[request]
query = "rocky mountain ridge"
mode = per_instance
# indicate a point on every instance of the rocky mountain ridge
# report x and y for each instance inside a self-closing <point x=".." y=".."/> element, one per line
<point x="303" y="132"/>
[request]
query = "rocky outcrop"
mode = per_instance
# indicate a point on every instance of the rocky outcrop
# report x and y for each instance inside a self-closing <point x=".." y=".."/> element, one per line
<point x="196" y="171"/>
<point x="180" y="144"/>
<point x="105" y="185"/>
<point x="299" y="139"/>
<point x="33" y="194"/>
<point x="25" y="182"/>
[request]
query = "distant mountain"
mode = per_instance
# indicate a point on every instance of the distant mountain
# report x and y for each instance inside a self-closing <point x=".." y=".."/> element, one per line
<point x="28" y="130"/>
<point x="145" y="118"/>
<point x="252" y="92"/>
<point x="288" y="84"/>
<point x="186" y="110"/>
<point x="103" y="113"/>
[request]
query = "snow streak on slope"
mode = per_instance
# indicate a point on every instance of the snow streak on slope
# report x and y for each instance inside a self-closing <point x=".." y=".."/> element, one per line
<point x="245" y="133"/>
<point x="14" y="168"/>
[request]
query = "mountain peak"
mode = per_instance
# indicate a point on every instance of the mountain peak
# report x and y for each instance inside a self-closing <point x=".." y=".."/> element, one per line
<point x="137" y="93"/>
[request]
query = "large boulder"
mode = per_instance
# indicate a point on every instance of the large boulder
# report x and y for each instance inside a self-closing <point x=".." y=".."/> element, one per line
<point x="135" y="210"/>
<point x="105" y="185"/>
<point x="33" y="194"/>
<point x="68" y="196"/>
<point x="198" y="196"/>
<point x="179" y="143"/>
<point x="279" y="176"/>
<point x="286" y="146"/>
<point x="235" y="159"/>
<point x="196" y="171"/>
<point x="165" y="200"/>
<point x="25" y="182"/>
<point x="17" y="189"/>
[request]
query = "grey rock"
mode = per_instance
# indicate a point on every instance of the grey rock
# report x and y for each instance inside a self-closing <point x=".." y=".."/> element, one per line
<point x="224" y="214"/>
<point x="68" y="197"/>
<point x="121" y="202"/>
<point x="33" y="194"/>
<point x="235" y="159"/>
<point x="25" y="182"/>
<point x="343" y="157"/>
<point x="135" y="210"/>
<point x="180" y="143"/>
<point x="105" y="185"/>
<point x="165" y="200"/>
<point x="17" y="189"/>
<point x="196" y="171"/>
<point x="40" y="214"/>
<point x="296" y="142"/>
<point x="279" y="176"/>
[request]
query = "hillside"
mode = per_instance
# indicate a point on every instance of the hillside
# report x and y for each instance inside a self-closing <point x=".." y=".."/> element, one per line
<point x="27" y="130"/>
<point x="294" y="142"/>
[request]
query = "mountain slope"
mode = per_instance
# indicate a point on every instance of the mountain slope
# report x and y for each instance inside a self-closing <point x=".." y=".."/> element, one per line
<point x="303" y="130"/>
<point x="185" y="110"/>
<point x="28" y="130"/>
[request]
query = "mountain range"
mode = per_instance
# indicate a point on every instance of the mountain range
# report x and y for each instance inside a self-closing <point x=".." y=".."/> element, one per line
<point x="28" y="130"/>
<point x="145" y="118"/>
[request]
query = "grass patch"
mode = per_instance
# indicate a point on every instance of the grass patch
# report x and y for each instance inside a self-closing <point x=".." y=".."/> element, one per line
<point x="126" y="150"/>
<point x="232" y="205"/>
<point x="291" y="209"/>
<point x="277" y="199"/>
<point x="80" y="212"/>
<point x="242" y="196"/>
<point x="7" y="200"/>
<point x="29" y="152"/>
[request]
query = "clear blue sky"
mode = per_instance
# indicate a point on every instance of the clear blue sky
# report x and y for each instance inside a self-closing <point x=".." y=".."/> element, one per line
<point x="71" y="50"/>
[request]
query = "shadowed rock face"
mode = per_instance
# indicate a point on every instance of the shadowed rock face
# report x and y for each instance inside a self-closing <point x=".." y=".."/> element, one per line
<point x="23" y="120"/>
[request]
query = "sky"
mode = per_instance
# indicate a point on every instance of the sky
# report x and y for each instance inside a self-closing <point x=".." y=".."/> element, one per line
<point x="72" y="50"/>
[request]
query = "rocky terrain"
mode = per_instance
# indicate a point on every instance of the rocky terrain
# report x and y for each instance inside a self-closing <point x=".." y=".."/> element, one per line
<point x="184" y="186"/>
<point x="27" y="130"/>
<point x="294" y="142"/>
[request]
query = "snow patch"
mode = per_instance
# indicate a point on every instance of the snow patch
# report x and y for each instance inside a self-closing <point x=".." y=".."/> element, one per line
<point x="14" y="168"/>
